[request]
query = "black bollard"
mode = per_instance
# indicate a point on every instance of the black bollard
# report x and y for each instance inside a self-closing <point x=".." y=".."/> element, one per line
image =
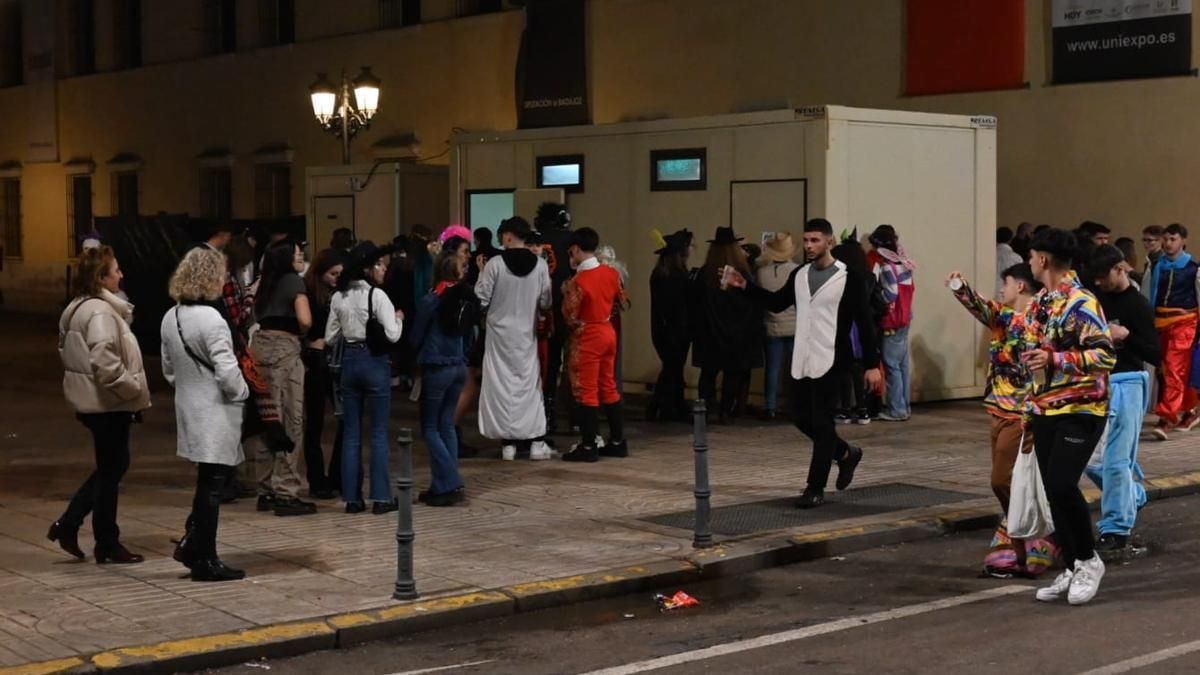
<point x="703" y="535"/>
<point x="406" y="585"/>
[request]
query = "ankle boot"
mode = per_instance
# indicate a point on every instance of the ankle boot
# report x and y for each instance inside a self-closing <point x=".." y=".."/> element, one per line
<point x="212" y="569"/>
<point x="585" y="450"/>
<point x="67" y="538"/>
<point x="115" y="554"/>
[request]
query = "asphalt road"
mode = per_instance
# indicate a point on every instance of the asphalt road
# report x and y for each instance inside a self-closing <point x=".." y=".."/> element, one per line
<point x="918" y="608"/>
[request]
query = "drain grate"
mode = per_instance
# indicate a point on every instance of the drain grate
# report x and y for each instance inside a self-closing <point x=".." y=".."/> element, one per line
<point x="779" y="514"/>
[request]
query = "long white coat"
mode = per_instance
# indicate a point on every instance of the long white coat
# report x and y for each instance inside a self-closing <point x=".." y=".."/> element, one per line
<point x="208" y="403"/>
<point x="510" y="400"/>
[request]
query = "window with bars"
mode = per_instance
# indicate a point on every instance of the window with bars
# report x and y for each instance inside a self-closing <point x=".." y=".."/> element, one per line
<point x="12" y="47"/>
<point x="125" y="194"/>
<point x="79" y="211"/>
<point x="216" y="193"/>
<point x="127" y="24"/>
<point x="83" y="36"/>
<point x="220" y="26"/>
<point x="397" y="13"/>
<point x="273" y="191"/>
<point x="277" y="22"/>
<point x="10" y="216"/>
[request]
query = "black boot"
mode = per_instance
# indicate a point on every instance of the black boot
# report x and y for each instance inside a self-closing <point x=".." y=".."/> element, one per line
<point x="67" y="537"/>
<point x="616" y="446"/>
<point x="212" y="569"/>
<point x="585" y="450"/>
<point x="185" y="549"/>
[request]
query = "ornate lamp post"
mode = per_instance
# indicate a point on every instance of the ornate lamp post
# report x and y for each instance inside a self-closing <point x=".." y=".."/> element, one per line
<point x="341" y="115"/>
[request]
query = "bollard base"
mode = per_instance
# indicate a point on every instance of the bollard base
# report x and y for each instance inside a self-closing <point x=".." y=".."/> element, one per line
<point x="405" y="593"/>
<point x="703" y="543"/>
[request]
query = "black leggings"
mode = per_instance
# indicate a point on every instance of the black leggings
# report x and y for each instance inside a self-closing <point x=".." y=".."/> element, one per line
<point x="731" y="388"/>
<point x="318" y="390"/>
<point x="206" y="508"/>
<point x="98" y="494"/>
<point x="1064" y="444"/>
<point x="669" y="390"/>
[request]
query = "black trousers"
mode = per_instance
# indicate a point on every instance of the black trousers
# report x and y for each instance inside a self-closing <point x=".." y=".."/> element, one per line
<point x="813" y="405"/>
<point x="554" y="364"/>
<point x="318" y="392"/>
<point x="852" y="394"/>
<point x="1064" y="444"/>
<point x="206" y="508"/>
<point x="669" y="388"/>
<point x="98" y="494"/>
<point x="732" y="384"/>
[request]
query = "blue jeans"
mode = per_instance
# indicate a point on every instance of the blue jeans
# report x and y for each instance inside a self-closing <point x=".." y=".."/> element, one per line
<point x="778" y="351"/>
<point x="440" y="388"/>
<point x="898" y="363"/>
<point x="1114" y="468"/>
<point x="366" y="388"/>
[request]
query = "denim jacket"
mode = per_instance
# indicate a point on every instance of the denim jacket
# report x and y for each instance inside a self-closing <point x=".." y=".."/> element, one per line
<point x="434" y="347"/>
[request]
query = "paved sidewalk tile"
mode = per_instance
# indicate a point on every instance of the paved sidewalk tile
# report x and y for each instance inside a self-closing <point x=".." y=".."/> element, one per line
<point x="524" y="522"/>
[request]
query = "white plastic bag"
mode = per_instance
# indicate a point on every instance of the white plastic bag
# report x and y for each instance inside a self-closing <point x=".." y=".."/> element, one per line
<point x="1028" y="509"/>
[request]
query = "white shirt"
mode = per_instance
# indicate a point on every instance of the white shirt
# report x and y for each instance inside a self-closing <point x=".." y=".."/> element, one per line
<point x="348" y="313"/>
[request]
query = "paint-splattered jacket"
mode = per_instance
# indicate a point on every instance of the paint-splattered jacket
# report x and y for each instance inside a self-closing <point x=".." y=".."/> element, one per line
<point x="1067" y="322"/>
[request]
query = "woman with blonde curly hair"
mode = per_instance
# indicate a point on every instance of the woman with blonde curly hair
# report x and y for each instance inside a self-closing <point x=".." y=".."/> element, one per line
<point x="105" y="383"/>
<point x="210" y="391"/>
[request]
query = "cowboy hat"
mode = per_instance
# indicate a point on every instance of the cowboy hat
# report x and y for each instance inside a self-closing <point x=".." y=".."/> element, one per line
<point x="725" y="235"/>
<point x="780" y="248"/>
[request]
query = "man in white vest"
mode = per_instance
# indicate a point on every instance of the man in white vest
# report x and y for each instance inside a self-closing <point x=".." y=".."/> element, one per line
<point x="830" y="299"/>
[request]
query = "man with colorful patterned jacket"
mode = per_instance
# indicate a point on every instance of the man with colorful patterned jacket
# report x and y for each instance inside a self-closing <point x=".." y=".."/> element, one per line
<point x="1069" y="349"/>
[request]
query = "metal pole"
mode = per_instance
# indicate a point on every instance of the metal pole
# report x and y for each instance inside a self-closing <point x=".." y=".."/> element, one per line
<point x="345" y="112"/>
<point x="406" y="586"/>
<point x="703" y="535"/>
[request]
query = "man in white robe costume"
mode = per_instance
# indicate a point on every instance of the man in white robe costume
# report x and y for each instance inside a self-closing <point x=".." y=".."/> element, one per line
<point x="512" y="288"/>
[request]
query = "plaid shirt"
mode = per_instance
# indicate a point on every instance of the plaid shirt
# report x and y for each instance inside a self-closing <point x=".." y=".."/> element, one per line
<point x="239" y="305"/>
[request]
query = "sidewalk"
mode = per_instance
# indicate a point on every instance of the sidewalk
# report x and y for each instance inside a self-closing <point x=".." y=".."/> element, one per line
<point x="525" y="522"/>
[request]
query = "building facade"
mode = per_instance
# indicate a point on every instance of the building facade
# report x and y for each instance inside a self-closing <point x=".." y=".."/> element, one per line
<point x="201" y="106"/>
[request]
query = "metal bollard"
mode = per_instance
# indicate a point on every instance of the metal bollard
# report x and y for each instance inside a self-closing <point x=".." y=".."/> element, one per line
<point x="406" y="585"/>
<point x="703" y="535"/>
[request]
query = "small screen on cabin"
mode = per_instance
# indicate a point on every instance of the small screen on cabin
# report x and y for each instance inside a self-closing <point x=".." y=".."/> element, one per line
<point x="676" y="170"/>
<point x="560" y="174"/>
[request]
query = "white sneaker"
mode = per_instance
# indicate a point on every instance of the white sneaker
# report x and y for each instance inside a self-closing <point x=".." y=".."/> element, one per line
<point x="1054" y="591"/>
<point x="508" y="453"/>
<point x="1086" y="581"/>
<point x="540" y="452"/>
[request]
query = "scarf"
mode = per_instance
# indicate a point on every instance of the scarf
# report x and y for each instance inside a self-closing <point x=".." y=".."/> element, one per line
<point x="1165" y="266"/>
<point x="897" y="257"/>
<point x="442" y="287"/>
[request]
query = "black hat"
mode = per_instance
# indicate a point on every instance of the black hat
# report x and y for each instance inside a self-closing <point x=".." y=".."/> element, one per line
<point x="536" y="238"/>
<point x="725" y="235"/>
<point x="676" y="242"/>
<point x="366" y="253"/>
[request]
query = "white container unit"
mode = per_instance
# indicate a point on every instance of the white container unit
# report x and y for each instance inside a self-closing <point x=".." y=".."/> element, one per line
<point x="931" y="176"/>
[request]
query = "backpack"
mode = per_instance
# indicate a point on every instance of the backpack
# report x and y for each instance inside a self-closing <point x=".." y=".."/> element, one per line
<point x="458" y="312"/>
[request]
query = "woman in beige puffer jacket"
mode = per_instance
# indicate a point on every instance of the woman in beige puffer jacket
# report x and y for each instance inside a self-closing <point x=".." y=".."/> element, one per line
<point x="105" y="383"/>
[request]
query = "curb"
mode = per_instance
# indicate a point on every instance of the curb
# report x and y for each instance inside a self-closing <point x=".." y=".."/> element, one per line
<point x="728" y="559"/>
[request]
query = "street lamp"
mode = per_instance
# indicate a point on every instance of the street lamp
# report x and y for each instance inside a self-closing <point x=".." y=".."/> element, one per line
<point x="340" y="115"/>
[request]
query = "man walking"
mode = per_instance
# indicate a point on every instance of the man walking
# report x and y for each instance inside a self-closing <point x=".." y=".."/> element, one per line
<point x="829" y="298"/>
<point x="1114" y="466"/>
<point x="511" y="289"/>
<point x="590" y="299"/>
<point x="1175" y="289"/>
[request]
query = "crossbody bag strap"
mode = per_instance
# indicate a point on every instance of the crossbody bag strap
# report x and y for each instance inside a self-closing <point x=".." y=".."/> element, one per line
<point x="200" y="362"/>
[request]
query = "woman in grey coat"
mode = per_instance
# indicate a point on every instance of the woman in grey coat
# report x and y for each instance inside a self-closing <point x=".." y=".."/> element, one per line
<point x="210" y="392"/>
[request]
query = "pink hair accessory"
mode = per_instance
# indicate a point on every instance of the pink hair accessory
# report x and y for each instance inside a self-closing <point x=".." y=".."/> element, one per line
<point x="454" y="231"/>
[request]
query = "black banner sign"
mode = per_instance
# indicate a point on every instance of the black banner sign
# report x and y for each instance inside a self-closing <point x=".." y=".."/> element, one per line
<point x="552" y="81"/>
<point x="1098" y="40"/>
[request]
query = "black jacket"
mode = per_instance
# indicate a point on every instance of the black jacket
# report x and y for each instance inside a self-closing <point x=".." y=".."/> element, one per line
<point x="727" y="326"/>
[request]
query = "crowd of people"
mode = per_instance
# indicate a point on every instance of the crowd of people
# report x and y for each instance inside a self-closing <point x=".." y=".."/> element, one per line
<point x="260" y="348"/>
<point x="261" y="345"/>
